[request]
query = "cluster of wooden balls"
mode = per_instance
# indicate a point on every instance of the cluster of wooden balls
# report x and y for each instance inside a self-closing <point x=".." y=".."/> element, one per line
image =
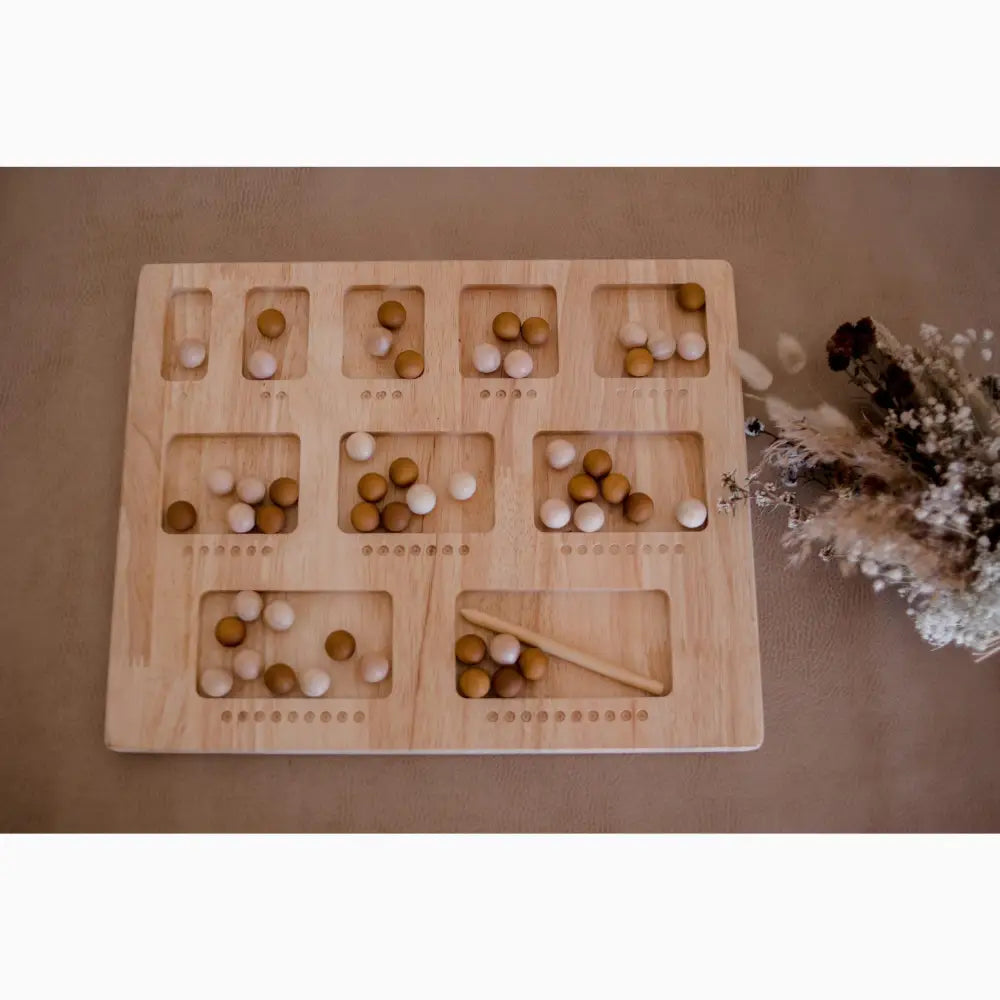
<point x="420" y="498"/>
<point x="644" y="348"/>
<point x="259" y="507"/>
<point x="512" y="665"/>
<point x="280" y="678"/>
<point x="596" y="478"/>
<point x="270" y="324"/>
<point x="517" y="363"/>
<point x="379" y="343"/>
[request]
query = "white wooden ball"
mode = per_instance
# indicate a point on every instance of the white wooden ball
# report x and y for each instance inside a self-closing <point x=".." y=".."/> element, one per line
<point x="248" y="663"/>
<point x="191" y="353"/>
<point x="360" y="446"/>
<point x="462" y="485"/>
<point x="662" y="345"/>
<point x="279" y="616"/>
<point x="504" y="649"/>
<point x="216" y="682"/>
<point x="378" y="343"/>
<point x="486" y="358"/>
<point x="589" y="517"/>
<point x="555" y="513"/>
<point x="559" y="454"/>
<point x="632" y="335"/>
<point x="691" y="513"/>
<point x="262" y="364"/>
<point x="420" y="498"/>
<point x="315" y="682"/>
<point x="374" y="667"/>
<point x="240" y="518"/>
<point x="518" y="364"/>
<point x="691" y="345"/>
<point x="220" y="481"/>
<point x="247" y="605"/>
<point x="250" y="489"/>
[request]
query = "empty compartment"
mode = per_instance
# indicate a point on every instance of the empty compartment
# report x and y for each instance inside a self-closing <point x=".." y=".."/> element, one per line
<point x="361" y="305"/>
<point x="366" y="615"/>
<point x="191" y="457"/>
<point x="668" y="468"/>
<point x="289" y="348"/>
<point x="478" y="307"/>
<point x="654" y="307"/>
<point x="629" y="628"/>
<point x="437" y="457"/>
<point x="188" y="318"/>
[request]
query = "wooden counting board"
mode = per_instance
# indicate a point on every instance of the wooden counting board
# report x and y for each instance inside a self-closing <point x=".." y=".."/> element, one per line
<point x="675" y="605"/>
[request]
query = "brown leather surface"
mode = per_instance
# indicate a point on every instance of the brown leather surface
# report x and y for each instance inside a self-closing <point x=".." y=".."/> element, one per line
<point x="866" y="729"/>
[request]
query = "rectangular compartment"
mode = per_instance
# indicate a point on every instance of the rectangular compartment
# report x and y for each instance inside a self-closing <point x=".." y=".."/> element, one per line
<point x="190" y="457"/>
<point x="292" y="347"/>
<point x="627" y="627"/>
<point x="189" y="317"/>
<point x="438" y="456"/>
<point x="367" y="615"/>
<point x="667" y="467"/>
<point x="479" y="304"/>
<point x="361" y="306"/>
<point x="656" y="308"/>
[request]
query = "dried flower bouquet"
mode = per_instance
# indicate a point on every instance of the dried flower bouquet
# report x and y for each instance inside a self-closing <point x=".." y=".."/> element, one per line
<point x="909" y="494"/>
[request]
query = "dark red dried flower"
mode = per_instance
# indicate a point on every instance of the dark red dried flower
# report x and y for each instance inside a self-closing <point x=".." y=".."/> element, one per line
<point x="864" y="337"/>
<point x="898" y="382"/>
<point x="838" y="360"/>
<point x="843" y="340"/>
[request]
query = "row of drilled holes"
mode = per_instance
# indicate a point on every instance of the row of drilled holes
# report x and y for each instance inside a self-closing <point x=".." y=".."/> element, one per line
<point x="415" y="550"/>
<point x="592" y="716"/>
<point x="276" y="716"/>
<point x="281" y="394"/>
<point x="502" y="394"/>
<point x="235" y="550"/>
<point x="652" y="393"/>
<point x="613" y="550"/>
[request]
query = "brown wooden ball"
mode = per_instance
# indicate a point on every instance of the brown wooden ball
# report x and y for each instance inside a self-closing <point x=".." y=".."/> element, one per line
<point x="230" y="631"/>
<point x="615" y="487"/>
<point x="597" y="463"/>
<point x="372" y="487"/>
<point x="271" y="323"/>
<point x="270" y="519"/>
<point x="340" y="645"/>
<point x="279" y="678"/>
<point x="181" y="516"/>
<point x="639" y="362"/>
<point x="533" y="663"/>
<point x="409" y="364"/>
<point x="582" y="488"/>
<point x="470" y="649"/>
<point x="506" y="326"/>
<point x="403" y="472"/>
<point x="508" y="682"/>
<point x="474" y="683"/>
<point x="638" y="507"/>
<point x="284" y="492"/>
<point x="691" y="296"/>
<point x="535" y="331"/>
<point x="391" y="314"/>
<point x="395" y="516"/>
<point x="364" y="516"/>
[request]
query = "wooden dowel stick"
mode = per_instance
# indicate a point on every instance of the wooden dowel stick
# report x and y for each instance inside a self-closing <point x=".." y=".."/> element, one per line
<point x="560" y="649"/>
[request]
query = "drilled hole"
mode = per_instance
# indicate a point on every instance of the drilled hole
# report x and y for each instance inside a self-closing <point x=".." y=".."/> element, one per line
<point x="309" y="716"/>
<point x="366" y="394"/>
<point x="234" y="551"/>
<point x="609" y="716"/>
<point x="258" y="716"/>
<point x="683" y="393"/>
<point x="484" y="393"/>
<point x="630" y="548"/>
<point x="359" y="716"/>
<point x="526" y="716"/>
<point x="614" y="550"/>
<point x="267" y="550"/>
<point x="581" y="550"/>
<point x="598" y="550"/>
<point x="325" y="717"/>
<point x="242" y="717"/>
<point x="227" y="716"/>
<point x="501" y="393"/>
<point x="516" y="394"/>
<point x="577" y="716"/>
<point x="265" y="395"/>
<point x="220" y="550"/>
<point x="642" y="715"/>
<point x="396" y="394"/>
<point x="432" y="550"/>
<point x="626" y="715"/>
<point x="204" y="550"/>
<point x="399" y="550"/>
<point x="342" y="717"/>
<point x="531" y="394"/>
<point x="636" y="393"/>
<point x="593" y="716"/>
<point x="543" y="716"/>
<point x="678" y="549"/>
<point x="560" y="716"/>
<point x="251" y="550"/>
<point x="276" y="716"/>
<point x="293" y="716"/>
<point x="492" y="717"/>
<point x="647" y="548"/>
<point x="366" y="550"/>
<point x="380" y="394"/>
<point x="447" y="550"/>
<point x="566" y="550"/>
<point x="463" y="550"/>
<point x="282" y="394"/>
<point x="188" y="550"/>
<point x="383" y="550"/>
<point x="508" y="716"/>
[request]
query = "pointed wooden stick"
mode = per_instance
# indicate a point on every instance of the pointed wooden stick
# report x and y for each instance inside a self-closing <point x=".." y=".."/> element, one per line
<point x="560" y="649"/>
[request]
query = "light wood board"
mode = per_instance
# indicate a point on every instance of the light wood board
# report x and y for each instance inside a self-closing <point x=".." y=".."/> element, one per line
<point x="678" y="606"/>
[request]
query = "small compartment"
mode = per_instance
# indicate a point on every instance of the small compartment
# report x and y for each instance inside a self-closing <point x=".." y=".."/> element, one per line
<point x="367" y="615"/>
<point x="478" y="307"/>
<point x="667" y="467"/>
<point x="289" y="348"/>
<point x="630" y="628"/>
<point x="361" y="306"/>
<point x="188" y="318"/>
<point x="191" y="457"/>
<point x="438" y="457"/>
<point x="655" y="307"/>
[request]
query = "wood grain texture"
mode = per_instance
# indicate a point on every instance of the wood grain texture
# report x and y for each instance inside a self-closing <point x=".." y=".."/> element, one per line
<point x="162" y="579"/>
